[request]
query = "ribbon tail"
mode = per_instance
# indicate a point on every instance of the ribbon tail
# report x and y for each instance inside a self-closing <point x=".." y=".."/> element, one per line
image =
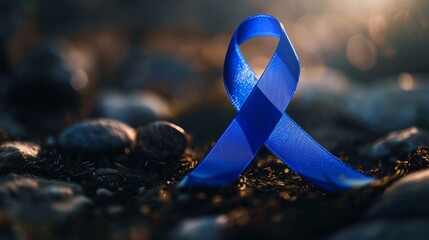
<point x="301" y="153"/>
<point x="340" y="184"/>
<point x="226" y="160"/>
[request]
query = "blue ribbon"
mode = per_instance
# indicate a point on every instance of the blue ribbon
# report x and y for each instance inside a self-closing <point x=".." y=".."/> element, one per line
<point x="261" y="119"/>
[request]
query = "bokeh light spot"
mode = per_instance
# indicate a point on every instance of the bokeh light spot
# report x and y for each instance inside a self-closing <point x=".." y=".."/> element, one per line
<point x="361" y="52"/>
<point x="405" y="81"/>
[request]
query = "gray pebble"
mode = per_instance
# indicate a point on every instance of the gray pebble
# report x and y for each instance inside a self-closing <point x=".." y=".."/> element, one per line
<point x="14" y="153"/>
<point x="409" y="196"/>
<point x="136" y="108"/>
<point x="397" y="143"/>
<point x="381" y="230"/>
<point x="99" y="135"/>
<point x="162" y="140"/>
<point x="148" y="69"/>
<point x="104" y="193"/>
<point x="210" y="227"/>
<point x="386" y="111"/>
<point x="115" y="209"/>
<point x="40" y="201"/>
<point x="43" y="81"/>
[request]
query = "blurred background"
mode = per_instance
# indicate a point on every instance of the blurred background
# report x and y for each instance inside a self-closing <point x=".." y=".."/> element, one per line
<point x="364" y="63"/>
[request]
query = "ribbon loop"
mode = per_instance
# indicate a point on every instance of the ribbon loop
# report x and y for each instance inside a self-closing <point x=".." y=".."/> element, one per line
<point x="261" y="119"/>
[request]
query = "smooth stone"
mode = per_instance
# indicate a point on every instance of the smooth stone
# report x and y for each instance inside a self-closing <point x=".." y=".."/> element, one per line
<point x="41" y="201"/>
<point x="143" y="70"/>
<point x="43" y="81"/>
<point x="384" y="111"/>
<point x="16" y="153"/>
<point x="115" y="210"/>
<point x="162" y="140"/>
<point x="170" y="74"/>
<point x="324" y="80"/>
<point x="135" y="108"/>
<point x="397" y="144"/>
<point x="98" y="135"/>
<point x="210" y="228"/>
<point x="104" y="193"/>
<point x="381" y="230"/>
<point x="409" y="196"/>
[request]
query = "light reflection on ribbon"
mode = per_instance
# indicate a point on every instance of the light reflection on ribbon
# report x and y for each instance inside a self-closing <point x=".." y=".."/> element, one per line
<point x="261" y="119"/>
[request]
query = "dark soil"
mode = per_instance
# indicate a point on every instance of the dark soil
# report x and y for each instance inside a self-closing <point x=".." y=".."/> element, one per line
<point x="268" y="202"/>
